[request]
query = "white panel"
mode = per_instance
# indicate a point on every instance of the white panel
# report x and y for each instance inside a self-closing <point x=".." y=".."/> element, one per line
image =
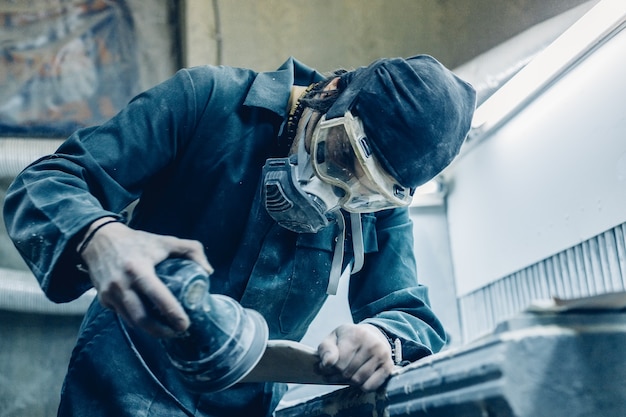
<point x="550" y="178"/>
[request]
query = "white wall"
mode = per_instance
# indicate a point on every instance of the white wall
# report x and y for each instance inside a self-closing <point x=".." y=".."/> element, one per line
<point x="434" y="265"/>
<point x="552" y="176"/>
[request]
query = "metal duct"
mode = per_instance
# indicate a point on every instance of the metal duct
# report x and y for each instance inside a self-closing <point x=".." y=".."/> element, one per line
<point x="17" y="153"/>
<point x="595" y="266"/>
<point x="20" y="292"/>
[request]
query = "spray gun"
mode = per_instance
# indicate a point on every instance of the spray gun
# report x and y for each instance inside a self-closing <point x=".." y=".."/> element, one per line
<point x="224" y="341"/>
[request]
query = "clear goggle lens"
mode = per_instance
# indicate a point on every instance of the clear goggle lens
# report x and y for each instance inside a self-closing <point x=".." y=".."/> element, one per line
<point x="342" y="157"/>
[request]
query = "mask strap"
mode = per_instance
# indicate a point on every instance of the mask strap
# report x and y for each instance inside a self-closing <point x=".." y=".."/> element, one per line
<point x="335" y="268"/>
<point x="305" y="170"/>
<point x="357" y="242"/>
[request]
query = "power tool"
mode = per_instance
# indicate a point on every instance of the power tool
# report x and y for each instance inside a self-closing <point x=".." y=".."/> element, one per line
<point x="224" y="340"/>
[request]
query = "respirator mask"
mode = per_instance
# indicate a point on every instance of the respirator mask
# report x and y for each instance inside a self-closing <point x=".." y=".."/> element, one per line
<point x="305" y="192"/>
<point x="293" y="195"/>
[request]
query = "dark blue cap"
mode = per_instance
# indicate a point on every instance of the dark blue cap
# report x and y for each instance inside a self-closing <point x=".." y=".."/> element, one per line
<point x="416" y="114"/>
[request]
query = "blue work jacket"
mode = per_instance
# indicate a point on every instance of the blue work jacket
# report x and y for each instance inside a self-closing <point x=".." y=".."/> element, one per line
<point x="191" y="151"/>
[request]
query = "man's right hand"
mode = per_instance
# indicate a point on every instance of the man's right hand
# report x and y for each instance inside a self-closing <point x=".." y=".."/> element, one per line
<point x="121" y="265"/>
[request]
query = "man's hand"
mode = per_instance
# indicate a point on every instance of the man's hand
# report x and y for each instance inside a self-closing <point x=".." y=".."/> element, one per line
<point x="121" y="265"/>
<point x="358" y="354"/>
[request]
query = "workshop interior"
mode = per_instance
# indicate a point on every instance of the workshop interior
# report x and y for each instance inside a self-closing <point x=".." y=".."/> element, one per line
<point x="521" y="240"/>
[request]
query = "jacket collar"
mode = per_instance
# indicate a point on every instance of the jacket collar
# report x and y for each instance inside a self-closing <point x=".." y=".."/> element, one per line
<point x="271" y="90"/>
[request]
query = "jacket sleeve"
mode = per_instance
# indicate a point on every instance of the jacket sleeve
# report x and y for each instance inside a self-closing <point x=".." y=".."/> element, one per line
<point x="386" y="292"/>
<point x="96" y="172"/>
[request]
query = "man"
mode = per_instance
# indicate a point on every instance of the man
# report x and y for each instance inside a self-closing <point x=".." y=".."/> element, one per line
<point x="251" y="175"/>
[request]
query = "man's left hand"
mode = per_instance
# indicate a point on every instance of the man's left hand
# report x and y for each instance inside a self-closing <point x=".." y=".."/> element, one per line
<point x="358" y="354"/>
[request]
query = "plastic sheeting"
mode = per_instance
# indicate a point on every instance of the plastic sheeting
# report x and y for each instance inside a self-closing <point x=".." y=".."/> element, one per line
<point x="64" y="64"/>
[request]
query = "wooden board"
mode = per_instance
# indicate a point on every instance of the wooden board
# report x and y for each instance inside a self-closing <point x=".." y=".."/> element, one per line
<point x="287" y="361"/>
<point x="606" y="301"/>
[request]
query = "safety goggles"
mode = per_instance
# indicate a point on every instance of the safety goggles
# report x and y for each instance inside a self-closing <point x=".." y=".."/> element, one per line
<point x="342" y="157"/>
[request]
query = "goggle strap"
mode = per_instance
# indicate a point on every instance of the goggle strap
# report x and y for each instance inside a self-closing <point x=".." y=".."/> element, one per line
<point x="357" y="242"/>
<point x="305" y="170"/>
<point x="347" y="97"/>
<point x="335" y="268"/>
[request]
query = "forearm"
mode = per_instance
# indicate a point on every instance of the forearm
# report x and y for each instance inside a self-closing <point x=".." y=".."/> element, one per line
<point x="386" y="293"/>
<point x="95" y="173"/>
<point x="46" y="215"/>
<point x="416" y="329"/>
<point x="91" y="231"/>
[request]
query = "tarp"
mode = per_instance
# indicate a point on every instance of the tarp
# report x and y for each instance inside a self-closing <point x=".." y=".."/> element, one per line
<point x="64" y="64"/>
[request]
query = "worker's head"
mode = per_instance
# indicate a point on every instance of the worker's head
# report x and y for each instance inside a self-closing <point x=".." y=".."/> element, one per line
<point x="411" y="114"/>
<point x="415" y="112"/>
<point x="391" y="126"/>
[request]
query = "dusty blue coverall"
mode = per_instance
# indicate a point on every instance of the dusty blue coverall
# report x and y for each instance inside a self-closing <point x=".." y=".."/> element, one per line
<point x="191" y="150"/>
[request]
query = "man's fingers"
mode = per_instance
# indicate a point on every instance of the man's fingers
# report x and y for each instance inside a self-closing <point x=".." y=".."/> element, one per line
<point x="132" y="310"/>
<point x="368" y="375"/>
<point x="371" y="371"/>
<point x="121" y="263"/>
<point x="356" y="354"/>
<point x="328" y="352"/>
<point x="351" y="361"/>
<point x="373" y="380"/>
<point x="191" y="249"/>
<point x="160" y="303"/>
<point x="144" y="301"/>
